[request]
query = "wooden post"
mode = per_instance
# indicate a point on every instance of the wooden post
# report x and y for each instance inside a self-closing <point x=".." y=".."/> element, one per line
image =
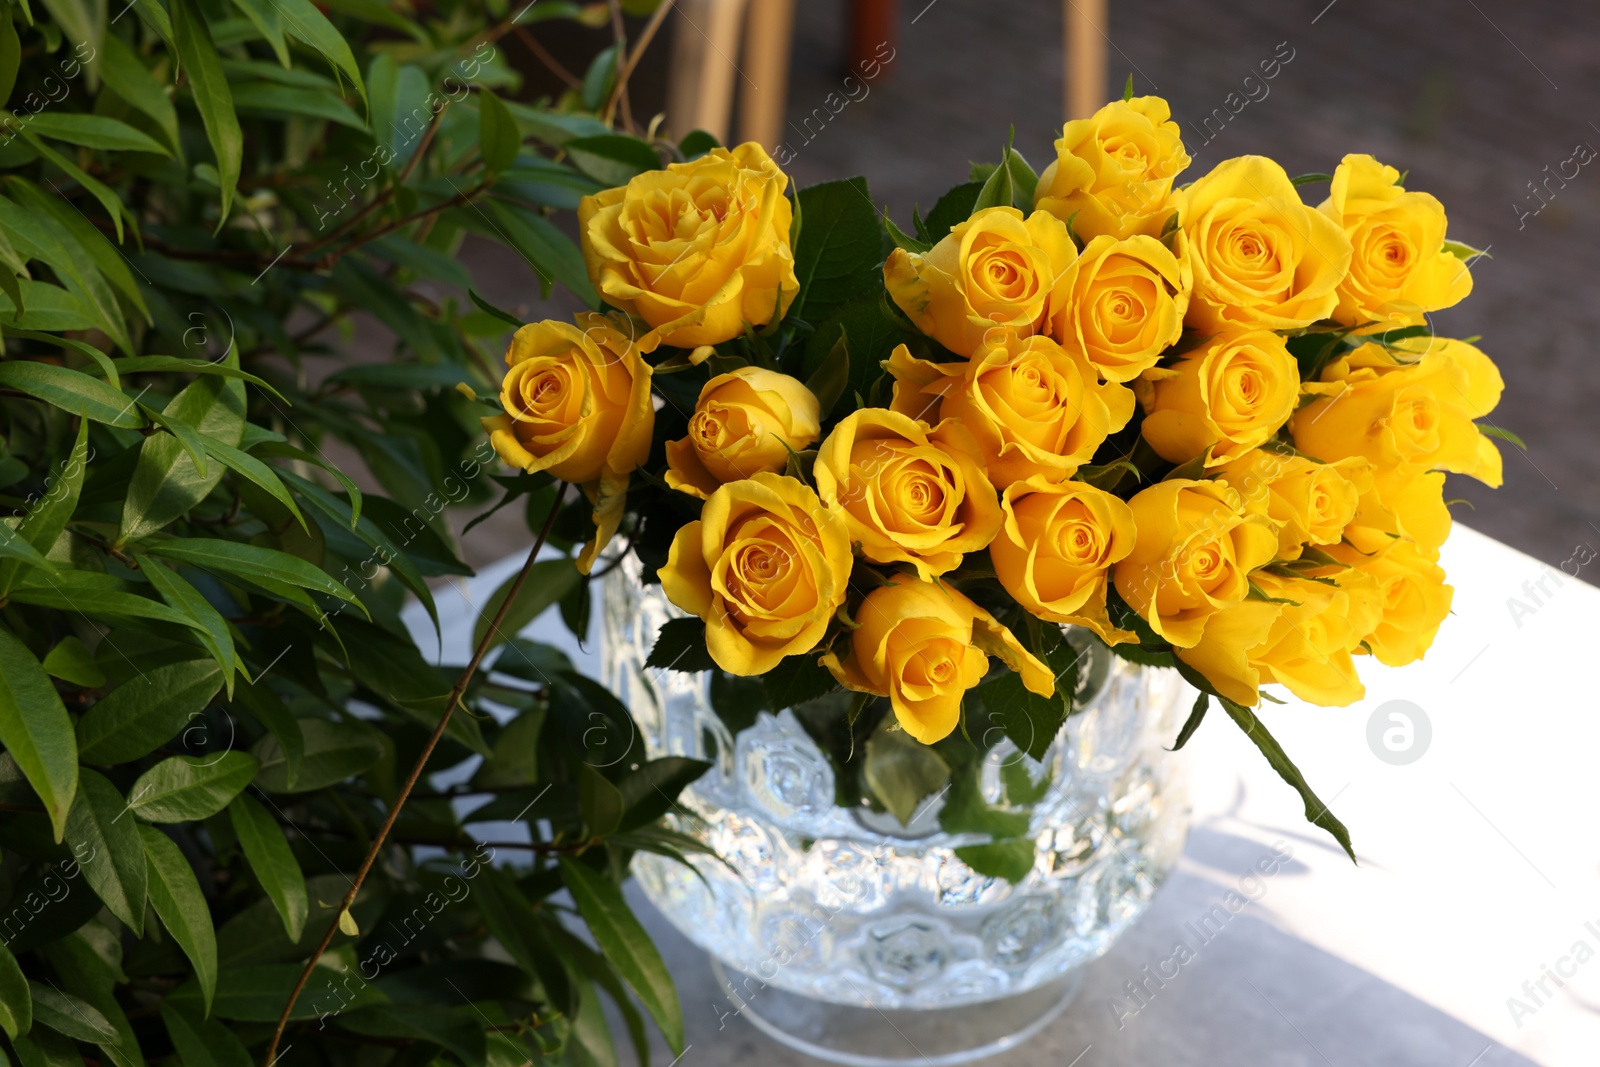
<point x="1085" y="80"/>
<point x="767" y="42"/>
<point x="705" y="50"/>
<point x="872" y="22"/>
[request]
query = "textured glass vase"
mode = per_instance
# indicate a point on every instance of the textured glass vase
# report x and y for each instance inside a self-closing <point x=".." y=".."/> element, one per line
<point x="835" y="929"/>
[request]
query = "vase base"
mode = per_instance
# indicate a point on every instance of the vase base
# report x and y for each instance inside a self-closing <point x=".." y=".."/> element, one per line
<point x="870" y="1037"/>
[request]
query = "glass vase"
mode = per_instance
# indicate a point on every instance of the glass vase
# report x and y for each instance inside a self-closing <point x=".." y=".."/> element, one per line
<point x="856" y="939"/>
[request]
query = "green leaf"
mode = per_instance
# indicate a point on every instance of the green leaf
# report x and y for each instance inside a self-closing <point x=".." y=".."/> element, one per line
<point x="613" y="159"/>
<point x="954" y="207"/>
<point x="116" y="870"/>
<point x="127" y="76"/>
<point x="303" y="20"/>
<point x="499" y="139"/>
<point x="521" y="932"/>
<point x="70" y="1016"/>
<point x="598" y="79"/>
<point x="1127" y="90"/>
<point x="1023" y="180"/>
<point x="10" y="62"/>
<point x="257" y="994"/>
<point x="1011" y="860"/>
<point x="273" y="862"/>
<point x="146" y="711"/>
<point x="73" y="391"/>
<point x="903" y="239"/>
<point x="44" y="523"/>
<point x="274" y="101"/>
<point x="210" y="626"/>
<point x="252" y="469"/>
<point x="46" y="1048"/>
<point x="797" y="679"/>
<point x="267" y="17"/>
<point x="840" y="249"/>
<point x="547" y="250"/>
<point x="624" y="942"/>
<point x="997" y="190"/>
<point x="1317" y="812"/>
<point x="828" y="381"/>
<point x="697" y="143"/>
<point x="681" y="646"/>
<point x="651" y="790"/>
<point x="599" y="800"/>
<point x="94" y="131"/>
<point x="16" y="1003"/>
<point x="902" y="772"/>
<point x="92" y="595"/>
<point x="36" y="731"/>
<point x="175" y="894"/>
<point x="1311" y="179"/>
<point x="202" y="67"/>
<point x="548" y="581"/>
<point x="1202" y="704"/>
<point x="203" y="1042"/>
<point x="14" y="546"/>
<point x="456" y="1030"/>
<point x="333" y="752"/>
<point x="166" y="483"/>
<point x="71" y="662"/>
<point x="252" y="562"/>
<point x="1465" y="252"/>
<point x="1502" y="434"/>
<point x="191" y="788"/>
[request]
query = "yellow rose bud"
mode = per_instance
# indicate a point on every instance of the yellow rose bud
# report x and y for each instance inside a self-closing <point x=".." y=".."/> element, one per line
<point x="1114" y="170"/>
<point x="577" y="404"/>
<point x="1308" y="650"/>
<point x="908" y="494"/>
<point x="1310" y="502"/>
<point x="1054" y="554"/>
<point x="1415" y="601"/>
<point x="697" y="250"/>
<point x="765" y="565"/>
<point x="1032" y="407"/>
<point x="1262" y="259"/>
<point x="1124" y="305"/>
<point x="1399" y="270"/>
<point x="1233" y="393"/>
<point x="993" y="273"/>
<point x="745" y="422"/>
<point x="923" y="645"/>
<point x="1411" y="411"/>
<point x="1196" y="547"/>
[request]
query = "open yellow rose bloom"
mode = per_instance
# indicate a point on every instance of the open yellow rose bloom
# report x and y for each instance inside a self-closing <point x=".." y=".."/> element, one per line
<point x="1201" y="418"/>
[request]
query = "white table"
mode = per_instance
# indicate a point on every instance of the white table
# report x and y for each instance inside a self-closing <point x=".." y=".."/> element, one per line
<point x="1480" y="864"/>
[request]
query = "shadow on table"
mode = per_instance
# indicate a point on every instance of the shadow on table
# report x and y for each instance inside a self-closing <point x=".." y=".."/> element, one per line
<point x="1243" y="992"/>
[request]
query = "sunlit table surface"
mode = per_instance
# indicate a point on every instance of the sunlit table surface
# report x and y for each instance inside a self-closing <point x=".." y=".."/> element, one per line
<point x="1469" y="936"/>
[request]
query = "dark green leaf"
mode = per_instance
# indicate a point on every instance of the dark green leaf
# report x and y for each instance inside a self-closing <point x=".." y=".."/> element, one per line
<point x="548" y="251"/>
<point x="127" y="76"/>
<point x="613" y="159"/>
<point x="10" y="62"/>
<point x="273" y="101"/>
<point x="203" y="1042"/>
<point x="651" y="790"/>
<point x="166" y="482"/>
<point x="797" y="679"/>
<point x="94" y="131"/>
<point x="521" y="932"/>
<point x="71" y="662"/>
<point x="548" y="581"/>
<point x="455" y="1029"/>
<point x="212" y="628"/>
<point x="333" y="752"/>
<point x="997" y="189"/>
<point x="1011" y="860"/>
<point x="1023" y="180"/>
<point x="116" y="869"/>
<point x="498" y="137"/>
<point x="625" y="943"/>
<point x="190" y="788"/>
<point x="202" y="67"/>
<point x="69" y="1016"/>
<point x="175" y="895"/>
<point x="954" y="207"/>
<point x="697" y="143"/>
<point x="252" y="562"/>
<point x="828" y="381"/>
<point x="681" y="646"/>
<point x="73" y="391"/>
<point x="902" y="772"/>
<point x="840" y="249"/>
<point x="35" y="730"/>
<point x="16" y="1002"/>
<point x="275" y="867"/>
<point x="1202" y="704"/>
<point x="146" y="711"/>
<point x="1317" y="812"/>
<point x="1310" y="179"/>
<point x="597" y="81"/>
<point x="600" y="801"/>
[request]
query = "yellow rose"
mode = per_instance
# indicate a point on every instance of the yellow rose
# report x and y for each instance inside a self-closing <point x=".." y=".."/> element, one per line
<point x="577" y="404"/>
<point x="1114" y="170"/>
<point x="745" y="422"/>
<point x="1310" y="502"/>
<point x="1262" y="259"/>
<point x="1032" y="407"/>
<point x="696" y="250"/>
<point x="908" y="494"/>
<point x="1233" y="392"/>
<point x="1415" y="601"/>
<point x="1409" y="412"/>
<point x="1054" y="554"/>
<point x="923" y="645"/>
<point x="1196" y="547"/>
<point x="1124" y="305"/>
<point x="1308" y="650"/>
<point x="1222" y="652"/>
<point x="994" y="272"/>
<point x="766" y="566"/>
<point x="1400" y="269"/>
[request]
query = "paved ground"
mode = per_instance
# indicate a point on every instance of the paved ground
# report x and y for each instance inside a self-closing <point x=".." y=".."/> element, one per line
<point x="1474" y="97"/>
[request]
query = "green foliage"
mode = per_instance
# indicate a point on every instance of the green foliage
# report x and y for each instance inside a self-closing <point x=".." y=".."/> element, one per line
<point x="212" y="516"/>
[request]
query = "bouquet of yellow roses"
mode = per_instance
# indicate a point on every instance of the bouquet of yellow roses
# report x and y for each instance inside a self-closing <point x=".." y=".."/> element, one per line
<point x="1207" y="424"/>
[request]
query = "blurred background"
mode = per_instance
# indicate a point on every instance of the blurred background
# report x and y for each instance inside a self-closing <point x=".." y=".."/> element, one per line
<point x="1489" y="105"/>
